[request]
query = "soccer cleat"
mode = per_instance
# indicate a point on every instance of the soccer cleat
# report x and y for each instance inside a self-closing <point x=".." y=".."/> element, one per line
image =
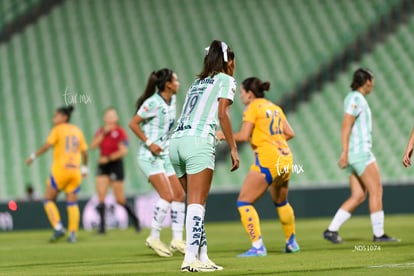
<point x="177" y="245"/>
<point x="211" y="264"/>
<point x="72" y="237"/>
<point x="332" y="236"/>
<point x="193" y="267"/>
<point x="57" y="234"/>
<point x="254" y="252"/>
<point x="385" y="238"/>
<point x="158" y="246"/>
<point x="291" y="245"/>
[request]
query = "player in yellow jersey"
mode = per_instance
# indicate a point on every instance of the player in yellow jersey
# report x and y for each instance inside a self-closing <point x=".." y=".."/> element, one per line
<point x="265" y="124"/>
<point x="69" y="152"/>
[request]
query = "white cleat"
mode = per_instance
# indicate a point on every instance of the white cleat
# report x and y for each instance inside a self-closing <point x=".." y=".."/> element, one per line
<point x="177" y="245"/>
<point x="211" y="265"/>
<point x="158" y="246"/>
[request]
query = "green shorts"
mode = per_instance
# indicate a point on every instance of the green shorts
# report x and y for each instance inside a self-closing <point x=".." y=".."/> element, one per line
<point x="191" y="154"/>
<point x="357" y="163"/>
<point x="155" y="165"/>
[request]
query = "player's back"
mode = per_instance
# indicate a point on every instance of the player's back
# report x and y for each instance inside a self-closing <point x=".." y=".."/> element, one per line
<point x="68" y="142"/>
<point x="268" y="119"/>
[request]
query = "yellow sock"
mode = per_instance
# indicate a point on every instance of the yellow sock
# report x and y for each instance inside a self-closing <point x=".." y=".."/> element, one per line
<point x="251" y="222"/>
<point x="73" y="216"/>
<point x="287" y="218"/>
<point x="52" y="213"/>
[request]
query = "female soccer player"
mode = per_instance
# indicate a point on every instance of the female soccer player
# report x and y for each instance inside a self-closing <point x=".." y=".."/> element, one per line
<point x="112" y="141"/>
<point x="265" y="124"/>
<point x="359" y="161"/>
<point x="192" y="149"/>
<point x="152" y="124"/>
<point x="69" y="147"/>
<point x="408" y="151"/>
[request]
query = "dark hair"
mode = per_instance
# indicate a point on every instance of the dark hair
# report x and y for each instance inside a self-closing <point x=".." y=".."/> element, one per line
<point x="157" y="79"/>
<point x="66" y="110"/>
<point x="256" y="86"/>
<point x="214" y="62"/>
<point x="361" y="76"/>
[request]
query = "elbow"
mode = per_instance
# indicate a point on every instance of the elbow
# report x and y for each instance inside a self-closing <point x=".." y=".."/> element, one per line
<point x="289" y="136"/>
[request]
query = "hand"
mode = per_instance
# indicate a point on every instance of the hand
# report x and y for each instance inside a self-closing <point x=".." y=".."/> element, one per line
<point x="84" y="171"/>
<point x="407" y="156"/>
<point x="107" y="129"/>
<point x="220" y="135"/>
<point x="235" y="162"/>
<point x="103" y="160"/>
<point x="155" y="149"/>
<point x="343" y="160"/>
<point x="28" y="161"/>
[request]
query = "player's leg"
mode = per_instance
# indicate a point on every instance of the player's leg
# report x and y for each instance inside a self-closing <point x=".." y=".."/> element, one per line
<point x="102" y="184"/>
<point x="72" y="207"/>
<point x="118" y="189"/>
<point x="254" y="186"/>
<point x="52" y="212"/>
<point x="198" y="187"/>
<point x="371" y="180"/>
<point x="279" y="194"/>
<point x="161" y="184"/>
<point x="117" y="173"/>
<point x="177" y="214"/>
<point x="357" y="197"/>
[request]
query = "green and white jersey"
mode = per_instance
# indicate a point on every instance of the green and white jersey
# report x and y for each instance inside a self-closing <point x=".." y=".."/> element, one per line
<point x="159" y="118"/>
<point x="360" y="140"/>
<point x="199" y="114"/>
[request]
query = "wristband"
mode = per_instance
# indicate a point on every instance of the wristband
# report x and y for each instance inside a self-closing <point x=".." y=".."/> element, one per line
<point x="148" y="142"/>
<point x="84" y="170"/>
<point x="33" y="156"/>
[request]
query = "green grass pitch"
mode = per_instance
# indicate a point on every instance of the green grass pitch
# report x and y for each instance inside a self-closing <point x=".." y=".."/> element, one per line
<point x="122" y="252"/>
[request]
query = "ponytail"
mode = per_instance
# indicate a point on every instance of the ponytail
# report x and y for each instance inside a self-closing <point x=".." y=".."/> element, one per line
<point x="66" y="110"/>
<point x="218" y="54"/>
<point x="256" y="86"/>
<point x="157" y="79"/>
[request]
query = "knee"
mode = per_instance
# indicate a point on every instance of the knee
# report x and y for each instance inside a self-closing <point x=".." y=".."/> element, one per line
<point x="359" y="198"/>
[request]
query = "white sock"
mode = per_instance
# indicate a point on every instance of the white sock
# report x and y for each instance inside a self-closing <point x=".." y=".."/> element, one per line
<point x="194" y="231"/>
<point x="340" y="218"/>
<point x="59" y="226"/>
<point x="177" y="219"/>
<point x="202" y="251"/>
<point x="257" y="244"/>
<point x="377" y="221"/>
<point x="160" y="211"/>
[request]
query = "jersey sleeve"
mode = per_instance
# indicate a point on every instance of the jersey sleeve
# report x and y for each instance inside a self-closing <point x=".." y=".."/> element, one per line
<point x="249" y="114"/>
<point x="353" y="106"/>
<point x="53" y="137"/>
<point x="123" y="136"/>
<point x="148" y="109"/>
<point x="282" y="114"/>
<point x="227" y="88"/>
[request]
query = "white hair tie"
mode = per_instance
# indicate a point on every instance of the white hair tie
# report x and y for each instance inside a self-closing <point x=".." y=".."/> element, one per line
<point x="224" y="48"/>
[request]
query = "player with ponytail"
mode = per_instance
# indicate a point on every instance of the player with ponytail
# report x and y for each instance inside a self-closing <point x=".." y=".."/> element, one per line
<point x="266" y="126"/>
<point x="70" y="160"/>
<point x="152" y="124"/>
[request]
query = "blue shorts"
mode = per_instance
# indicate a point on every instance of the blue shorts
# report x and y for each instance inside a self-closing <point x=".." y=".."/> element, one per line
<point x="357" y="163"/>
<point x="155" y="165"/>
<point x="191" y="154"/>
